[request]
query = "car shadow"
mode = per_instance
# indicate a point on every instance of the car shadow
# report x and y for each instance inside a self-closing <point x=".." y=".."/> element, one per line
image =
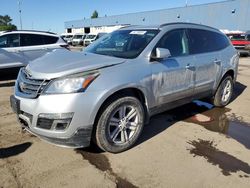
<point x="238" y="90"/>
<point x="14" y="150"/>
<point x="9" y="74"/>
<point x="8" y="84"/>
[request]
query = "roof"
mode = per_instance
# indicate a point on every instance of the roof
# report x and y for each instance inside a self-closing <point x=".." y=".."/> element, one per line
<point x="30" y="32"/>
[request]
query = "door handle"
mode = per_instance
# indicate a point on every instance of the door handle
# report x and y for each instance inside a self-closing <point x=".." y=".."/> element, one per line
<point x="190" y="67"/>
<point x="218" y="62"/>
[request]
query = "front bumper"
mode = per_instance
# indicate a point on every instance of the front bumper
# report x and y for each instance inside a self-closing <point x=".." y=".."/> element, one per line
<point x="77" y="134"/>
<point x="81" y="138"/>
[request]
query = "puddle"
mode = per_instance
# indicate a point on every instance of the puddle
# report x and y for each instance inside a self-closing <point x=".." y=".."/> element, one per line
<point x="14" y="150"/>
<point x="101" y="162"/>
<point x="214" y="119"/>
<point x="227" y="163"/>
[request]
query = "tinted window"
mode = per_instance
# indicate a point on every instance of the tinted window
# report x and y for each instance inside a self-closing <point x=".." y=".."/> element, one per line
<point x="8" y="41"/>
<point x="175" y="41"/>
<point x="202" y="41"/>
<point x="34" y="39"/>
<point x="50" y="39"/>
<point x="248" y="37"/>
<point x="31" y="40"/>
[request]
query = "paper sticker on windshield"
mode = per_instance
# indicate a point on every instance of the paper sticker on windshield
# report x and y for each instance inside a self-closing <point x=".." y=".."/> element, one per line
<point x="137" y="32"/>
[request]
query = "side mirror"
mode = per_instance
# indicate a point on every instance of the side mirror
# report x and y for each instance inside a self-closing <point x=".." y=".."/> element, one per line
<point x="162" y="53"/>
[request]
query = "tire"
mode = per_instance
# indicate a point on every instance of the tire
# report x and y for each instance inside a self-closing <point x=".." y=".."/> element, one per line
<point x="120" y="124"/>
<point x="224" y="92"/>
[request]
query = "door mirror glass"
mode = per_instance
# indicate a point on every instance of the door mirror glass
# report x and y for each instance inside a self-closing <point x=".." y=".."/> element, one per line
<point x="162" y="53"/>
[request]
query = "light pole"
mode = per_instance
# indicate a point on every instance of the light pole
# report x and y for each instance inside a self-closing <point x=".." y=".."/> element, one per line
<point x="186" y="3"/>
<point x="20" y="14"/>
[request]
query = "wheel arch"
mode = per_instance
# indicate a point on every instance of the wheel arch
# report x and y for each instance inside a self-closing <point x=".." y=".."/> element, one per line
<point x="124" y="92"/>
<point x="229" y="72"/>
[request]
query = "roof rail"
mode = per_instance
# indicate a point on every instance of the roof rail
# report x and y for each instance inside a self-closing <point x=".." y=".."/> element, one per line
<point x="187" y="23"/>
<point x="34" y="31"/>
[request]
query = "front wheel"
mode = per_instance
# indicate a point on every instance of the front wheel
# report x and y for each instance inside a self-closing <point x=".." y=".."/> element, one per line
<point x="120" y="125"/>
<point x="224" y="92"/>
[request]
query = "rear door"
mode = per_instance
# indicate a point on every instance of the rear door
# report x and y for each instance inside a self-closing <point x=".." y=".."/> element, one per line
<point x="34" y="46"/>
<point x="204" y="47"/>
<point x="172" y="77"/>
<point x="10" y="52"/>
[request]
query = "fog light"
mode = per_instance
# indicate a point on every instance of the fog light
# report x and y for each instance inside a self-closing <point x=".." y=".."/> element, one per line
<point x="54" y="121"/>
<point x="60" y="124"/>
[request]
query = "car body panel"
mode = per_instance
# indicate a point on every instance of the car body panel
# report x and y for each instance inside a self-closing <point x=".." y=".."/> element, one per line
<point x="164" y="83"/>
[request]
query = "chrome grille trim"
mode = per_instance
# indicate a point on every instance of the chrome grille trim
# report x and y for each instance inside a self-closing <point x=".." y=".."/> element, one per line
<point x="28" y="86"/>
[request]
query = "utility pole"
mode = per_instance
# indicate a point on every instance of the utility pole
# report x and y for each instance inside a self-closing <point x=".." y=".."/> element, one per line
<point x="186" y="3"/>
<point x="20" y="14"/>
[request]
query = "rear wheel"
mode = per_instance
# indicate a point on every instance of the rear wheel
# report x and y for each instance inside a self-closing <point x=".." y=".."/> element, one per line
<point x="120" y="125"/>
<point x="224" y="92"/>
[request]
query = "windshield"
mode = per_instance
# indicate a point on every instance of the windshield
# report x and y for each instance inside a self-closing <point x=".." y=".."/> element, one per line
<point x="77" y="36"/>
<point x="68" y="36"/>
<point x="90" y="36"/>
<point x="123" y="43"/>
<point x="237" y="37"/>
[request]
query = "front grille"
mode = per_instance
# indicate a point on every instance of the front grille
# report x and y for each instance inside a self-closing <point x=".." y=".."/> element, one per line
<point x="44" y="123"/>
<point x="28" y="86"/>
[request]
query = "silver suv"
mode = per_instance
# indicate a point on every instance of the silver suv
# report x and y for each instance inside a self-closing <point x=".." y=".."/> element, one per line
<point x="110" y="90"/>
<point x="18" y="48"/>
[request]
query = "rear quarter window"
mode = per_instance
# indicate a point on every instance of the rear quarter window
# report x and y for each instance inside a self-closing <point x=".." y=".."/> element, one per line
<point x="202" y="41"/>
<point x="36" y="39"/>
<point x="50" y="40"/>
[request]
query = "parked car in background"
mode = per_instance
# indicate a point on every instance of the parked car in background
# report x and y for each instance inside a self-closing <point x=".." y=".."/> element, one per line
<point x="67" y="37"/>
<point x="110" y="90"/>
<point x="18" y="48"/>
<point x="89" y="39"/>
<point x="241" y="41"/>
<point x="78" y="39"/>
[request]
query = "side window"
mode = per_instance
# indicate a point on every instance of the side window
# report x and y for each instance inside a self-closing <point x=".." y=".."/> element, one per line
<point x="31" y="40"/>
<point x="50" y="39"/>
<point x="175" y="41"/>
<point x="3" y="41"/>
<point x="9" y="41"/>
<point x="248" y="37"/>
<point x="202" y="41"/>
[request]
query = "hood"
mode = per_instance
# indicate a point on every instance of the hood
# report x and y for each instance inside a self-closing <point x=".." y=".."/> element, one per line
<point x="62" y="62"/>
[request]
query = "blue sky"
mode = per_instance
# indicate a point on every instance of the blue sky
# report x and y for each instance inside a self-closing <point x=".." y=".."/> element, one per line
<point x="51" y="14"/>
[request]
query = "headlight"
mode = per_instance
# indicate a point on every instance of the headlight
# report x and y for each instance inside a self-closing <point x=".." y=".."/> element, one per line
<point x="70" y="84"/>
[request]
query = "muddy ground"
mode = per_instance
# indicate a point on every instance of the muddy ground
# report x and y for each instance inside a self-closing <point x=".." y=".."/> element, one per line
<point x="195" y="145"/>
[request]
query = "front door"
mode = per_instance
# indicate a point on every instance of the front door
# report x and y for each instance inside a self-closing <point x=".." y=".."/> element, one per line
<point x="173" y="77"/>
